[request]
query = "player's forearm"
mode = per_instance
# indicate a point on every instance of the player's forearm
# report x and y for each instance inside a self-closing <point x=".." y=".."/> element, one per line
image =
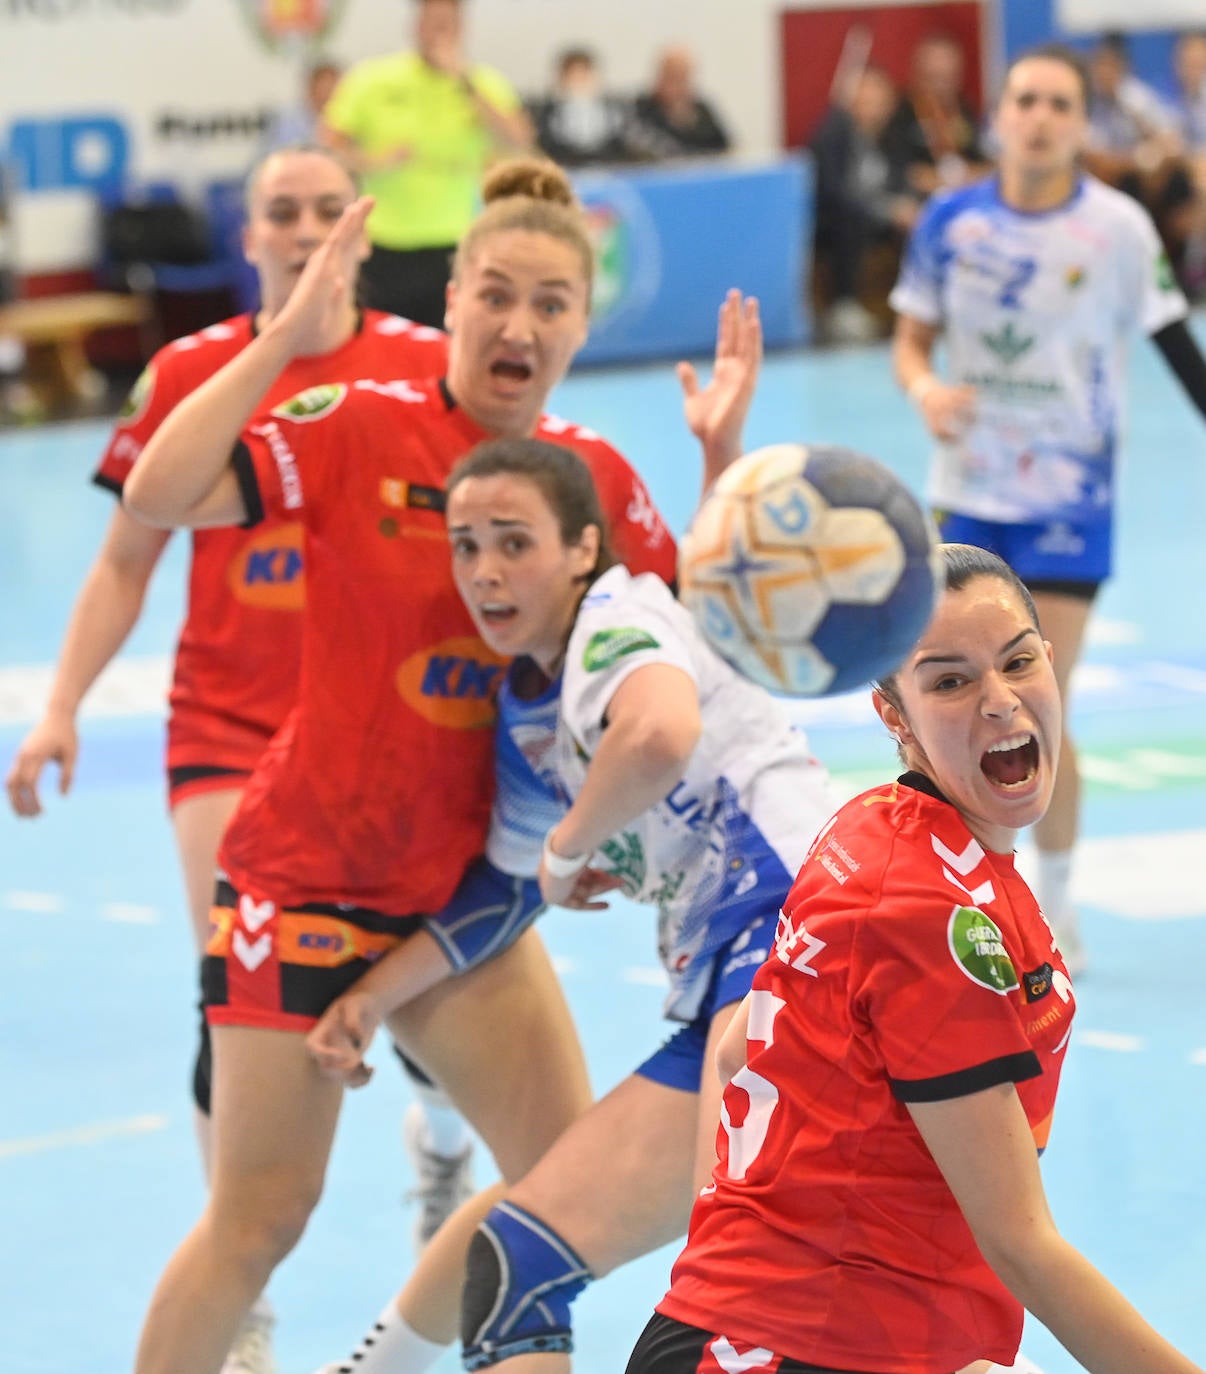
<point x="912" y="353"/>
<point x="405" y="973"/>
<point x="636" y="765"/>
<point x="189" y="453"/>
<point x="106" y="610"/>
<point x="1085" y="1312"/>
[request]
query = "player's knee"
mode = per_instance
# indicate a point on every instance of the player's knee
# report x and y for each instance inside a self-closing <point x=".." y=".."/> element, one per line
<point x="521" y="1279"/>
<point x="203" y="1069"/>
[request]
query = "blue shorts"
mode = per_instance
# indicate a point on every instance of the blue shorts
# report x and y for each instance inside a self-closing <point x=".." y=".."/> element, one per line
<point x="1048" y="555"/>
<point x="680" y="1061"/>
<point x="488" y="912"/>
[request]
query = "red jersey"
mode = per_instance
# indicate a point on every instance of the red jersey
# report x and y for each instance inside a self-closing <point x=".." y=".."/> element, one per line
<point x="377" y="790"/>
<point x="910" y="966"/>
<point x="237" y="658"/>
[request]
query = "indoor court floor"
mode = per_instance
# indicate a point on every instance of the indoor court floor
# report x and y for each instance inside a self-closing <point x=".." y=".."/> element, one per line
<point x="98" y="1171"/>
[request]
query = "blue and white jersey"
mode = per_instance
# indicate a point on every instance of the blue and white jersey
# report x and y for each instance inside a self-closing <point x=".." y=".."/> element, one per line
<point x="732" y="834"/>
<point x="528" y="799"/>
<point x="1037" y="312"/>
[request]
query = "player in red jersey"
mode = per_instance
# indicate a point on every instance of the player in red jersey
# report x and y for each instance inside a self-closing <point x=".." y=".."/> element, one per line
<point x="375" y="794"/>
<point x="236" y="664"/>
<point x="877" y="1205"/>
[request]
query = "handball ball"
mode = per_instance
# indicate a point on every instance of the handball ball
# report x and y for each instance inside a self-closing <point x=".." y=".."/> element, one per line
<point x="811" y="569"/>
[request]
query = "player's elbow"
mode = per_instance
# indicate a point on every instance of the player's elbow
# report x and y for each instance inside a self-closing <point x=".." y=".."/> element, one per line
<point x="1025" y="1255"/>
<point x="141" y="499"/>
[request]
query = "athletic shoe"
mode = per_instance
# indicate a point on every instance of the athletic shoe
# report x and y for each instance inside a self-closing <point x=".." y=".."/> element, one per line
<point x="251" y="1352"/>
<point x="445" y="1181"/>
<point x="849" y="322"/>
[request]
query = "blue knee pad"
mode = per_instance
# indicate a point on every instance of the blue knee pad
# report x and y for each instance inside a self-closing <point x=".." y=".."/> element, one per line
<point x="521" y="1279"/>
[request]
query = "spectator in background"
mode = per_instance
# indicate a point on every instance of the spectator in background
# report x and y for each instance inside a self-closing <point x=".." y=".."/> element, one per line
<point x="672" y="120"/>
<point x="933" y="133"/>
<point x="862" y="199"/>
<point x="1134" y="144"/>
<point x="420" y="127"/>
<point x="1189" y="64"/>
<point x="578" y="122"/>
<point x="298" y="124"/>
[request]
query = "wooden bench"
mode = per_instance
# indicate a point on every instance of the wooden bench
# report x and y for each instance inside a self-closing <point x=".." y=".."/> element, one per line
<point x="53" y="330"/>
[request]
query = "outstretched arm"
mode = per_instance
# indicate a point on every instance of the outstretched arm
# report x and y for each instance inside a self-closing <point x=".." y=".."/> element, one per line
<point x="716" y="413"/>
<point x="183" y="476"/>
<point x="1183" y="355"/>
<point x="983" y="1145"/>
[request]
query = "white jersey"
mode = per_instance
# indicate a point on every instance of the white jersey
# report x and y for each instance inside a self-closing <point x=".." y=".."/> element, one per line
<point x="744" y="814"/>
<point x="1037" y="311"/>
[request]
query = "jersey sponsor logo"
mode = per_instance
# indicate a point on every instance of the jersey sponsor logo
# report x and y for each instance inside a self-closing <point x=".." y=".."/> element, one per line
<point x="399" y="494"/>
<point x="1166" y="278"/>
<point x="313" y="403"/>
<point x="607" y="647"/>
<point x="452" y="683"/>
<point x="976" y="944"/>
<point x="134" y="407"/>
<point x="268" y="571"/>
<point x="1007" y="344"/>
<point x="1074" y="278"/>
<point x="1038" y="982"/>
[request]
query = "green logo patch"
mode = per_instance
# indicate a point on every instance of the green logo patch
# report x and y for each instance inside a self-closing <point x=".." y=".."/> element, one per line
<point x="312" y="403"/>
<point x="1166" y="278"/>
<point x="1008" y="344"/>
<point x="975" y="942"/>
<point x="609" y="646"/>
<point x="140" y="393"/>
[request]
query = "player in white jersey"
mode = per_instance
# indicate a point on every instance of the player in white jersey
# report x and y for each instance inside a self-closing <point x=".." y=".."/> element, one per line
<point x="678" y="781"/>
<point x="1037" y="278"/>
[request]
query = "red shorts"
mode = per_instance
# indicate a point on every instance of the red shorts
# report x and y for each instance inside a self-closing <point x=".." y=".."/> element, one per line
<point x="281" y="969"/>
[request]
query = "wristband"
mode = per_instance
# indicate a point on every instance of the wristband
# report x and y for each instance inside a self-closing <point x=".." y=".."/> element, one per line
<point x="559" y="865"/>
<point x="920" y="387"/>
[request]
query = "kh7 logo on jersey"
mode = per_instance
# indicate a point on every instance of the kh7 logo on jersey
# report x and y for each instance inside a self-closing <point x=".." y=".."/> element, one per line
<point x="268" y="571"/>
<point x="452" y="683"/>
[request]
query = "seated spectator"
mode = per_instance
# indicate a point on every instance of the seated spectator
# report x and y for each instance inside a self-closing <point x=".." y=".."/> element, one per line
<point x="933" y="133"/>
<point x="298" y="124"/>
<point x="671" y="119"/>
<point x="1134" y="144"/>
<point x="1189" y="63"/>
<point x="862" y="201"/>
<point x="578" y="123"/>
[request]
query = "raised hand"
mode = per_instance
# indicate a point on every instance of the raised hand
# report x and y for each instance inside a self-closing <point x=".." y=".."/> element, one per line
<point x="314" y="318"/>
<point x="716" y="413"/>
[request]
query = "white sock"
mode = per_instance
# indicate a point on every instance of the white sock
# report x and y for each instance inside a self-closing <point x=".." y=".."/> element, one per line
<point x="1053" y="884"/>
<point x="446" y="1132"/>
<point x="391" y="1347"/>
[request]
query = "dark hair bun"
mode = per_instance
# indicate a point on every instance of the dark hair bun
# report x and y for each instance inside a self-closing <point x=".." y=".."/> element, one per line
<point x="535" y="177"/>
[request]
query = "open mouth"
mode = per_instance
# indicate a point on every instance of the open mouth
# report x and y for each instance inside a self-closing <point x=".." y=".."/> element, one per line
<point x="496" y="614"/>
<point x="1011" y="763"/>
<point x="510" y="370"/>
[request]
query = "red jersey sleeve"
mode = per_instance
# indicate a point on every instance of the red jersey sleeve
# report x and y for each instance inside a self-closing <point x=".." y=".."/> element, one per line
<point x="175" y="370"/>
<point x="286" y="461"/>
<point x="639" y="536"/>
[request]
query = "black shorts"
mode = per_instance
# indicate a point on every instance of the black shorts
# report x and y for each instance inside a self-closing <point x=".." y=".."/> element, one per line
<point x="670" y="1347"/>
<point x="409" y="282"/>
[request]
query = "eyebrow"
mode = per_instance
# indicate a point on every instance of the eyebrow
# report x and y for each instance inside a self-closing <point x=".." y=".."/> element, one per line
<point x="961" y="658"/>
<point x="563" y="282"/>
<point x="495" y="520"/>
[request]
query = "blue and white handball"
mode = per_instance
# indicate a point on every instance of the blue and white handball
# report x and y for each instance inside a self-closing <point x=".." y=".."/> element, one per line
<point x="811" y="569"/>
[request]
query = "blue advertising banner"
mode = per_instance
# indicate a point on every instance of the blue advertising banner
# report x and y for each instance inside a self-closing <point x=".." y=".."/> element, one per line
<point x="672" y="240"/>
